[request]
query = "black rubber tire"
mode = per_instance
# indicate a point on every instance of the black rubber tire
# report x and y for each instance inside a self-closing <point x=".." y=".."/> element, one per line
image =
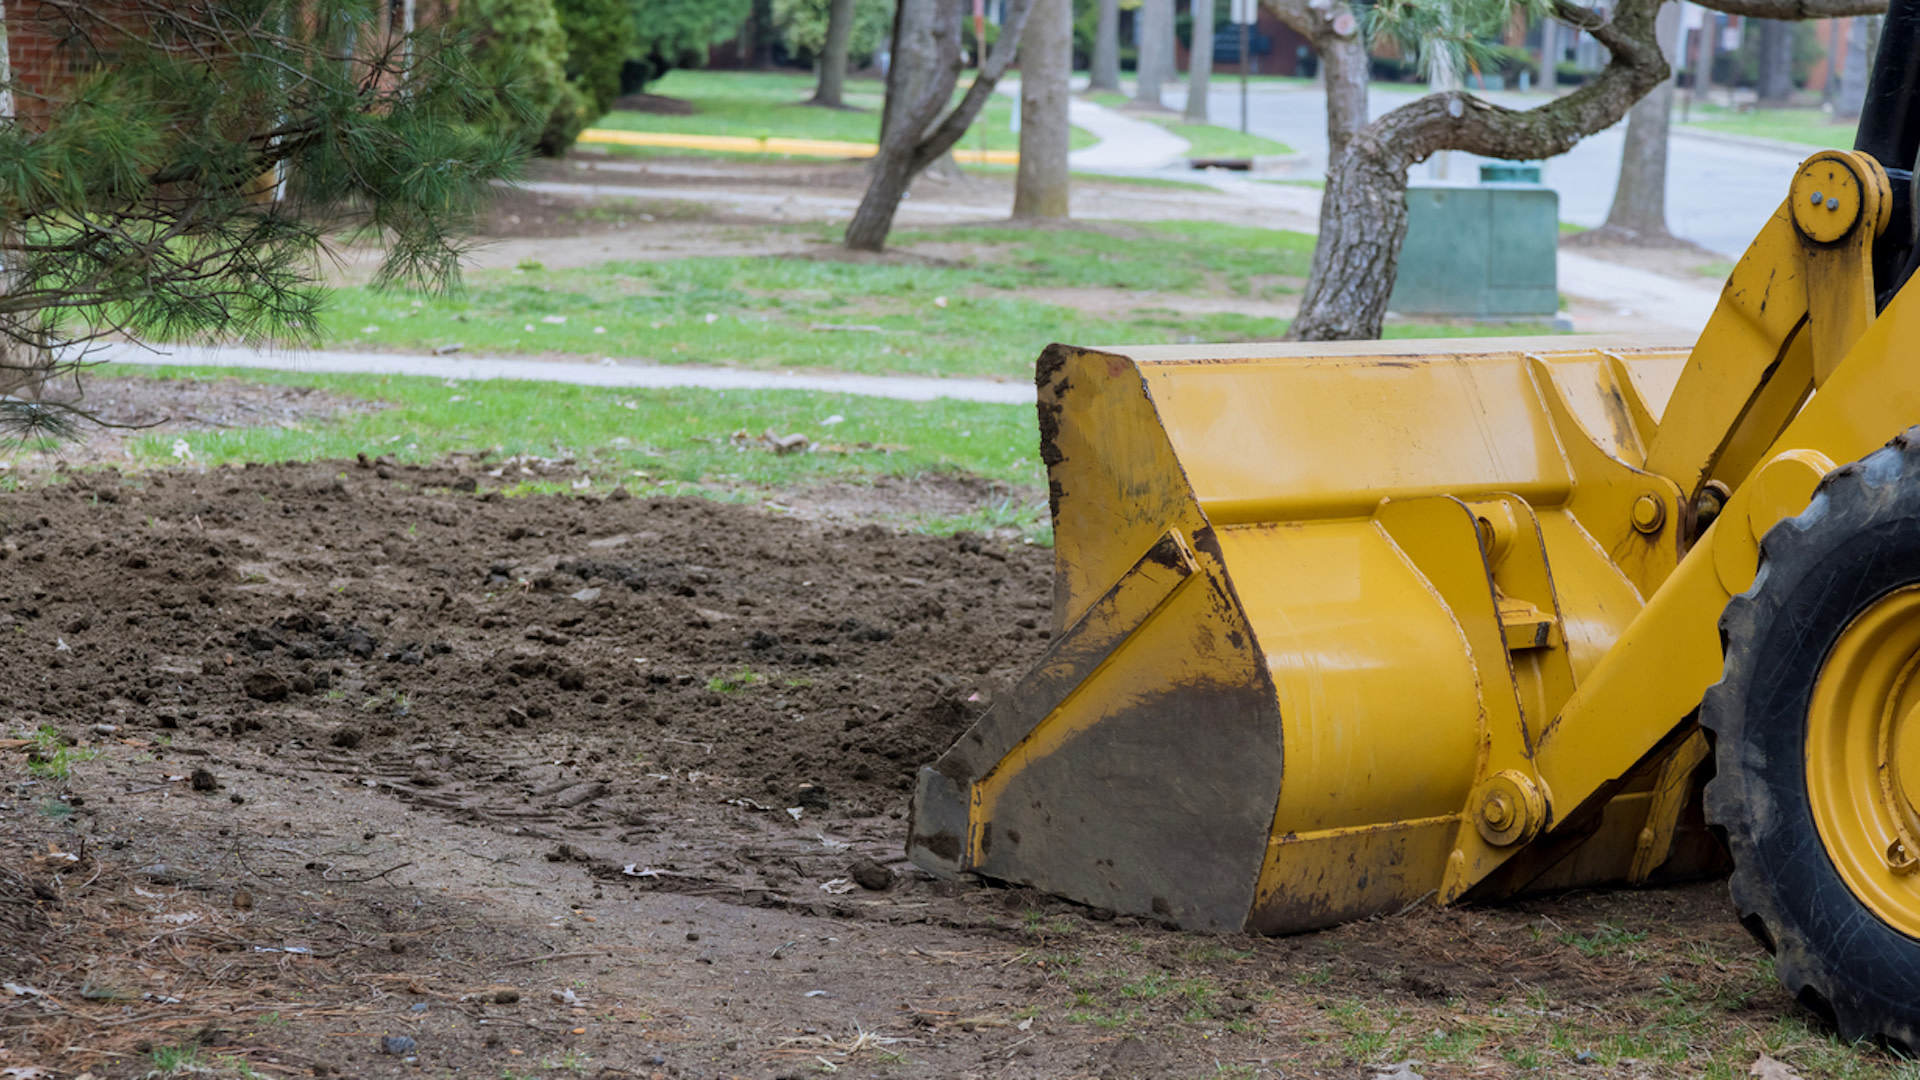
<point x="1858" y="540"/>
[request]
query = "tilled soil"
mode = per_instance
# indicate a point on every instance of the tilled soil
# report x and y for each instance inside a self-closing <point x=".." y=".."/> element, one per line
<point x="448" y="642"/>
<point x="305" y="758"/>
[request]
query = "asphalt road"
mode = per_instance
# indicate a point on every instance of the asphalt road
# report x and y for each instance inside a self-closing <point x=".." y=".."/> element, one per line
<point x="1718" y="193"/>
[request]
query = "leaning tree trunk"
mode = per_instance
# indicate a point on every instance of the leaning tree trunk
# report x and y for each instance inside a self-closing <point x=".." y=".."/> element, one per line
<point x="1106" y="48"/>
<point x="1363" y="216"/>
<point x="1046" y="65"/>
<point x="913" y="140"/>
<point x="1639" y="212"/>
<point x="1155" y="64"/>
<point x="1776" y="62"/>
<point x="1200" y="62"/>
<point x="833" y="59"/>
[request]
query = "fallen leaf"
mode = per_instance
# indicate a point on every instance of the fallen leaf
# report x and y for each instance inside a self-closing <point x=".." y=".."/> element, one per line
<point x="1767" y="1068"/>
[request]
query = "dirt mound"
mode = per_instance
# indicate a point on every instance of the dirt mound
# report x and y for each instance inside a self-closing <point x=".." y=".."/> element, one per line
<point x="532" y="660"/>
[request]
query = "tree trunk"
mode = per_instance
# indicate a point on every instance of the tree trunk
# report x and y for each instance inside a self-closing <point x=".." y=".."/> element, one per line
<point x="1776" y="62"/>
<point x="1852" y="94"/>
<point x="1046" y="64"/>
<point x="1363" y="216"/>
<point x="1344" y="59"/>
<point x="6" y="68"/>
<point x="1834" y="59"/>
<point x="1639" y="213"/>
<point x="1156" y="51"/>
<point x="1703" y="60"/>
<point x="1333" y="30"/>
<point x="912" y="60"/>
<point x="1106" y="48"/>
<point x="913" y="140"/>
<point x="1550" y="54"/>
<point x="874" y="219"/>
<point x="1200" y="62"/>
<point x="833" y="60"/>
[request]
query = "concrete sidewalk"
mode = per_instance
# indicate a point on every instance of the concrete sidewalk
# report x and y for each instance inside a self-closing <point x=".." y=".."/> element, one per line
<point x="1659" y="300"/>
<point x="1126" y="145"/>
<point x="609" y="374"/>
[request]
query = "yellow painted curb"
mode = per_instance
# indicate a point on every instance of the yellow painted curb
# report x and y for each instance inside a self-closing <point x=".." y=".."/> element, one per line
<point x="745" y="144"/>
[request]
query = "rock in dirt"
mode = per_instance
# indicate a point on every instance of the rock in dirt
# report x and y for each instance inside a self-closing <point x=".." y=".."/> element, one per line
<point x="870" y="875"/>
<point x="346" y="737"/>
<point x="579" y="793"/>
<point x="397" y="1045"/>
<point x="568" y="853"/>
<point x="1402" y="1070"/>
<point x="505" y="997"/>
<point x="203" y="780"/>
<point x="266" y="686"/>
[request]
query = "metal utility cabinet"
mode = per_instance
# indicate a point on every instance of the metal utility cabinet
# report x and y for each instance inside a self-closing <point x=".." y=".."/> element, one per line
<point x="1481" y="251"/>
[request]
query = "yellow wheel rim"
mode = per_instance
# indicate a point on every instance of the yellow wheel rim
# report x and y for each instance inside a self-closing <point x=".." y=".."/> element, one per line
<point x="1863" y="758"/>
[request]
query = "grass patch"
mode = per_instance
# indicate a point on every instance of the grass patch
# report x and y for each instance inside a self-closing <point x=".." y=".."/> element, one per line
<point x="762" y="105"/>
<point x="739" y="680"/>
<point x="1214" y="141"/>
<point x="1808" y="127"/>
<point x="665" y="441"/>
<point x="970" y="312"/>
<point x="1607" y="940"/>
<point x="50" y="758"/>
<point x="966" y="317"/>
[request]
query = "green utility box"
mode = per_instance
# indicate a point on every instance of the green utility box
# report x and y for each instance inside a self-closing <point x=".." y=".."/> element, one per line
<point x="1480" y="251"/>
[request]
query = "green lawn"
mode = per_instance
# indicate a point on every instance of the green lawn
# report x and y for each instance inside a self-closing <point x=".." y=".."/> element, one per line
<point x="966" y="315"/>
<point x="766" y="105"/>
<point x="1214" y="141"/>
<point x="652" y="441"/>
<point x="1809" y="127"/>
<point x="965" y="302"/>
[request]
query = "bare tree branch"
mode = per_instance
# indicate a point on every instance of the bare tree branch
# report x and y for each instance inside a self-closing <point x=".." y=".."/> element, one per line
<point x="950" y="131"/>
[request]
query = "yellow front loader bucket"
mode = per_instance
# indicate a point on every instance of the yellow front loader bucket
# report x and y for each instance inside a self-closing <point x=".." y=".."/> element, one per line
<point x="1308" y="605"/>
<point x="1337" y="629"/>
<point x="1340" y="628"/>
